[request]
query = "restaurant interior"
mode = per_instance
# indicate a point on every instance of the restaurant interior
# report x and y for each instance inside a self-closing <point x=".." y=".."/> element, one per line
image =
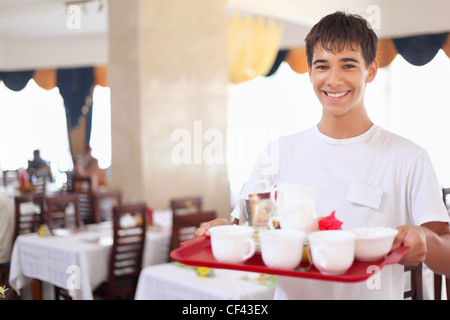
<point x="150" y="115"/>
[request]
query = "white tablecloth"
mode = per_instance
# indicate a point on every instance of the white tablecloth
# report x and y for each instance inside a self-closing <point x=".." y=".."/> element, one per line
<point x="77" y="262"/>
<point x="173" y="281"/>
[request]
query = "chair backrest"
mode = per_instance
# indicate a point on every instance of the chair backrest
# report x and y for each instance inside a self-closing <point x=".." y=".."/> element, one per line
<point x="29" y="213"/>
<point x="186" y="205"/>
<point x="63" y="211"/>
<point x="445" y="194"/>
<point x="10" y="176"/>
<point x="129" y="229"/>
<point x="437" y="277"/>
<point x="438" y="287"/>
<point x="416" y="290"/>
<point x="40" y="185"/>
<point x="103" y="202"/>
<point x="82" y="185"/>
<point x="183" y="226"/>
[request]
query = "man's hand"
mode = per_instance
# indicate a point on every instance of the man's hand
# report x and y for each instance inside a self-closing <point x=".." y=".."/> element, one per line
<point x="429" y="243"/>
<point x="413" y="237"/>
<point x="204" y="229"/>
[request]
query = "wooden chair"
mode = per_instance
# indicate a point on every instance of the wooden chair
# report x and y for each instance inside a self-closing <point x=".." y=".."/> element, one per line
<point x="416" y="291"/>
<point x="10" y="294"/>
<point x="114" y="196"/>
<point x="63" y="211"/>
<point x="184" y="225"/>
<point x="438" y="286"/>
<point x="445" y="193"/>
<point x="186" y="205"/>
<point x="82" y="185"/>
<point x="40" y="185"/>
<point x="126" y="254"/>
<point x="29" y="213"/>
<point x="10" y="176"/>
<point x="437" y="277"/>
<point x="4" y="274"/>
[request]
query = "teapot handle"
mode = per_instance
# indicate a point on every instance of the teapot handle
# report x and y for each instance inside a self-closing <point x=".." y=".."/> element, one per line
<point x="274" y="194"/>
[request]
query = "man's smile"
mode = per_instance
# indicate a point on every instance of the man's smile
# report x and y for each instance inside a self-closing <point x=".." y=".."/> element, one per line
<point x="336" y="95"/>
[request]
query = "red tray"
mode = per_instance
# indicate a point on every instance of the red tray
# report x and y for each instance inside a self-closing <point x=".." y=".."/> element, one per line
<point x="197" y="252"/>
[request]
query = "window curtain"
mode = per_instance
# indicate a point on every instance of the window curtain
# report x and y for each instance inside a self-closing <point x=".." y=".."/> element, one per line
<point x="281" y="56"/>
<point x="76" y="88"/>
<point x="417" y="50"/>
<point x="253" y="45"/>
<point x="16" y="80"/>
<point x="45" y="78"/>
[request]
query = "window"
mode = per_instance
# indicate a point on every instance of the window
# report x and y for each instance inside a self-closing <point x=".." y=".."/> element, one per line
<point x="34" y="118"/>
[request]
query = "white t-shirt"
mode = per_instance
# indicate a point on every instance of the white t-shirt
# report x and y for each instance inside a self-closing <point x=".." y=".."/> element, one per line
<point x="375" y="179"/>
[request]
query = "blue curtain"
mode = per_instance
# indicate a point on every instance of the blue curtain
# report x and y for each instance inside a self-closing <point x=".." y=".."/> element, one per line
<point x="279" y="59"/>
<point x="16" y="80"/>
<point x="419" y="50"/>
<point x="75" y="86"/>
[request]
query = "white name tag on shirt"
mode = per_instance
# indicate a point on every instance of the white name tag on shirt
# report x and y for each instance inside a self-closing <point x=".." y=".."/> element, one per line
<point x="365" y="194"/>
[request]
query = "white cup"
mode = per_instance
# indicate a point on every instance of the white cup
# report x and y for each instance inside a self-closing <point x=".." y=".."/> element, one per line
<point x="287" y="195"/>
<point x="282" y="249"/>
<point x="332" y="251"/>
<point x="232" y="243"/>
<point x="300" y="217"/>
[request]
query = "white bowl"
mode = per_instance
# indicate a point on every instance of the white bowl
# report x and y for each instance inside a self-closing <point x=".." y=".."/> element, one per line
<point x="373" y="243"/>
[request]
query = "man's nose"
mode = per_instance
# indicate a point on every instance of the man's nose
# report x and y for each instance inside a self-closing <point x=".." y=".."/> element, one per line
<point x="334" y="77"/>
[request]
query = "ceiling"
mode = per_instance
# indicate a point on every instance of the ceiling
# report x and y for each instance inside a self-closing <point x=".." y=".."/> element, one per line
<point x="48" y="18"/>
<point x="394" y="18"/>
<point x="25" y="19"/>
<point x="47" y="23"/>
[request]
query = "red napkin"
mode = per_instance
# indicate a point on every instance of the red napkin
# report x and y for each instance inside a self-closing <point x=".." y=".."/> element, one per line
<point x="330" y="222"/>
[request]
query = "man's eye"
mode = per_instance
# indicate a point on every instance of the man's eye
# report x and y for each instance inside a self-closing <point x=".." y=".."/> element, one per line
<point x="349" y="66"/>
<point x="322" y="67"/>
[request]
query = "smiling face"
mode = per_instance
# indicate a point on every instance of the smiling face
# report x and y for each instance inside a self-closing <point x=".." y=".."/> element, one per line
<point x="339" y="80"/>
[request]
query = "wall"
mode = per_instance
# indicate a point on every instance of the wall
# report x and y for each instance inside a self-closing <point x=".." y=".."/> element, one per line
<point x="168" y="73"/>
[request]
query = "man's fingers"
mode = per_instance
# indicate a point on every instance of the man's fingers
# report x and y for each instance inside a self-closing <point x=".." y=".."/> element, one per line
<point x="204" y="229"/>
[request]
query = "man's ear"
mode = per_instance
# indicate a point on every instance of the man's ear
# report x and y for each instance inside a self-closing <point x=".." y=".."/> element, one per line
<point x="372" y="71"/>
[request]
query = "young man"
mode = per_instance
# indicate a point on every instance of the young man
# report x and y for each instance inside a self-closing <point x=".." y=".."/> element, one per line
<point x="394" y="179"/>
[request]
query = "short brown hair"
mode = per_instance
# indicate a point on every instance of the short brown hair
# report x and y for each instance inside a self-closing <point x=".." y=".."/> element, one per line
<point x="339" y="30"/>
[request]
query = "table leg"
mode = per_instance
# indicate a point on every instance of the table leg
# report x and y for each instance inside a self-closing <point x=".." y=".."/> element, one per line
<point x="37" y="289"/>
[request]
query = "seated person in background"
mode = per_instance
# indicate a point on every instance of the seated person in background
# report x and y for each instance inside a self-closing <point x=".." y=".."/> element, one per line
<point x="87" y="165"/>
<point x="38" y="167"/>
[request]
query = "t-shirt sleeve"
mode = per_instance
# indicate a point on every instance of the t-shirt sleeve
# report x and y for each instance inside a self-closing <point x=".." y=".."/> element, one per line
<point x="426" y="194"/>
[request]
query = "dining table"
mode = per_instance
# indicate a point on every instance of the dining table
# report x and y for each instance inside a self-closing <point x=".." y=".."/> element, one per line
<point x="75" y="259"/>
<point x="176" y="281"/>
